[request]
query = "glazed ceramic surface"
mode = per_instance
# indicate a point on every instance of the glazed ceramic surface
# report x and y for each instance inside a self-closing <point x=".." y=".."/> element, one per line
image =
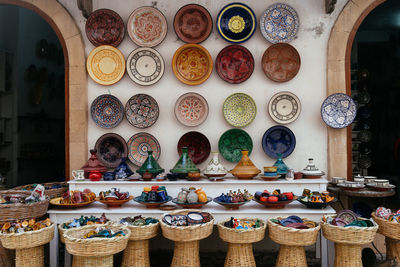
<point x="284" y="107"/>
<point x="150" y="165"/>
<point x="191" y="109"/>
<point x="193" y="23"/>
<point x="111" y="148"/>
<point x="198" y="146"/>
<point x="107" y="111"/>
<point x="139" y="144"/>
<point x="192" y="64"/>
<point x="234" y="64"/>
<point x="145" y="66"/>
<point x="281" y="62"/>
<point x="236" y="22"/>
<point x="245" y="169"/>
<point x="279" y="23"/>
<point x="184" y="165"/>
<point x="338" y="110"/>
<point x="232" y="142"/>
<point x="214" y="167"/>
<point x="142" y="111"/>
<point x="105" y="27"/>
<point x="239" y="110"/>
<point x="147" y="26"/>
<point x="278" y="140"/>
<point x="105" y="65"/>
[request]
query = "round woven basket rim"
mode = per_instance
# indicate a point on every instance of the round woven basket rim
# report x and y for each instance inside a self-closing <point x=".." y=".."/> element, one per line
<point x="97" y="239"/>
<point x="262" y="227"/>
<point x="141" y="226"/>
<point x="291" y="229"/>
<point x="5" y="235"/>
<point x="350" y="228"/>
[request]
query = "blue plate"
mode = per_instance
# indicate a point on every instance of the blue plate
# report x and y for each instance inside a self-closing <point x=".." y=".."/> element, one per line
<point x="338" y="110"/>
<point x="236" y="22"/>
<point x="278" y="140"/>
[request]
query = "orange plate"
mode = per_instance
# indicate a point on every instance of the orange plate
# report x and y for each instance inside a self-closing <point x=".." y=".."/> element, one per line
<point x="114" y="203"/>
<point x="56" y="202"/>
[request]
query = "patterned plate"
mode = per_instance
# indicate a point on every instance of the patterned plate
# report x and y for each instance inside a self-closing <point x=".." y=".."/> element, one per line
<point x="107" y="111"/>
<point x="105" y="27"/>
<point x="198" y="145"/>
<point x="111" y="148"/>
<point x="193" y="23"/>
<point x="278" y="140"/>
<point x="281" y="62"/>
<point x="239" y="110"/>
<point x="105" y="65"/>
<point x="191" y="109"/>
<point x="192" y="64"/>
<point x="139" y="144"/>
<point x="145" y="66"/>
<point x="234" y="64"/>
<point x="236" y="22"/>
<point x="338" y="110"/>
<point x="147" y="26"/>
<point x="142" y="111"/>
<point x="279" y="23"/>
<point x="284" y="107"/>
<point x="232" y="142"/>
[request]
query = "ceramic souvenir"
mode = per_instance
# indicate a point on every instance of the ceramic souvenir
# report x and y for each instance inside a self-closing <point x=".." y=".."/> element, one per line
<point x="214" y="167"/>
<point x="150" y="165"/>
<point x="232" y="142"/>
<point x="281" y="166"/>
<point x="111" y="148"/>
<point x="239" y="110"/>
<point x="107" y="111"/>
<point x="182" y="196"/>
<point x="310" y="171"/>
<point x="191" y="109"/>
<point x="79" y="175"/>
<point x="278" y="140"/>
<point x="245" y="169"/>
<point x="338" y="110"/>
<point x="198" y="146"/>
<point x="138" y="146"/>
<point x="184" y="164"/>
<point x="93" y="164"/>
<point x="123" y="170"/>
<point x="142" y="111"/>
<point x="95" y="175"/>
<point x="192" y="197"/>
<point x="284" y="107"/>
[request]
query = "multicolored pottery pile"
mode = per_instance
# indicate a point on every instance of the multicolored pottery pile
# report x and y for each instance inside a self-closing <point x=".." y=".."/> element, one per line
<point x="85" y="220"/>
<point x="25" y="226"/>
<point x="294" y="222"/>
<point x="103" y="232"/>
<point x="191" y="218"/>
<point x="138" y="221"/>
<point x="235" y="197"/>
<point x="387" y="214"/>
<point x="242" y="224"/>
<point x="153" y="194"/>
<point x="347" y="218"/>
<point x="76" y="196"/>
<point x="113" y="194"/>
<point x="275" y="196"/>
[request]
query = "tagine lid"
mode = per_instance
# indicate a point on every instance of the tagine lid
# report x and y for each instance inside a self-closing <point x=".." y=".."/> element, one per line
<point x="311" y="169"/>
<point x="184" y="164"/>
<point x="245" y="165"/>
<point x="93" y="164"/>
<point x="150" y="165"/>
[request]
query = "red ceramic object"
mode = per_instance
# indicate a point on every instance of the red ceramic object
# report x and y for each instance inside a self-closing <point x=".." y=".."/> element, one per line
<point x="93" y="164"/>
<point x="198" y="146"/>
<point x="274" y="205"/>
<point x="95" y="176"/>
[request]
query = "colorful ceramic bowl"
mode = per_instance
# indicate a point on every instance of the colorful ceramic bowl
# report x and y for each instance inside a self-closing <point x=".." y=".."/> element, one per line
<point x="232" y="142"/>
<point x="198" y="145"/>
<point x="239" y="110"/>
<point x="191" y="109"/>
<point x="139" y="144"/>
<point x="142" y="111"/>
<point x="111" y="149"/>
<point x="107" y="111"/>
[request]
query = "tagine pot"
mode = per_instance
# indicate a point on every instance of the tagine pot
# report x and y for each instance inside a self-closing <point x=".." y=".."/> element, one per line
<point x="151" y="166"/>
<point x="214" y="167"/>
<point x="93" y="164"/>
<point x="184" y="164"/>
<point x="245" y="169"/>
<point x="282" y="169"/>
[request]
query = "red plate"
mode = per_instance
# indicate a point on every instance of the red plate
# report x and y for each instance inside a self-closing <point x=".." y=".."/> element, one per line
<point x="198" y="145"/>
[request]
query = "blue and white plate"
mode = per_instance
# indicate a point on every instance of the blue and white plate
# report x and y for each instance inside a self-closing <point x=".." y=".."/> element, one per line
<point x="338" y="110"/>
<point x="107" y="111"/>
<point x="278" y="140"/>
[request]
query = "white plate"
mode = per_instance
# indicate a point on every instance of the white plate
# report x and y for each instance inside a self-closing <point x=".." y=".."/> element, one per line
<point x="284" y="107"/>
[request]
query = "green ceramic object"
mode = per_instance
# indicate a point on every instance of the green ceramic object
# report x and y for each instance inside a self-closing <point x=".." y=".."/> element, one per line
<point x="239" y="110"/>
<point x="282" y="168"/>
<point x="184" y="164"/>
<point x="232" y="142"/>
<point x="151" y="165"/>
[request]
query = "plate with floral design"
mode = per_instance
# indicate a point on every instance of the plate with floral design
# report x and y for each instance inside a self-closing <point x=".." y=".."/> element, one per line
<point x="191" y="109"/>
<point x="198" y="145"/>
<point x="239" y="110"/>
<point x="232" y="142"/>
<point x="338" y="110"/>
<point x="142" y="111"/>
<point x="139" y="144"/>
<point x="284" y="107"/>
<point x="107" y="111"/>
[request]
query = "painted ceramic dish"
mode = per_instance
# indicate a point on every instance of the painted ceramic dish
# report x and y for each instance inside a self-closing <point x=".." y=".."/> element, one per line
<point x="142" y="111"/>
<point x="145" y="66"/>
<point x="278" y="140"/>
<point x="232" y="142"/>
<point x="111" y="148"/>
<point x="279" y="23"/>
<point x="193" y="23"/>
<point x="338" y="110"/>
<point x="152" y="205"/>
<point x="234" y="64"/>
<point x="114" y="203"/>
<point x="230" y="206"/>
<point x="239" y="110"/>
<point x="57" y="203"/>
<point x="284" y="107"/>
<point x="139" y="144"/>
<point x="107" y="111"/>
<point x="281" y="62"/>
<point x="105" y="65"/>
<point x="105" y="27"/>
<point x="192" y="64"/>
<point x="199" y="147"/>
<point x="236" y="22"/>
<point x="274" y="205"/>
<point x="197" y="205"/>
<point x="147" y="26"/>
<point x="191" y="109"/>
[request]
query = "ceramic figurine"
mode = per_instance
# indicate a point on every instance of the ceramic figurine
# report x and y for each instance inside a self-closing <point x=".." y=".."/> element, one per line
<point x="184" y="164"/>
<point x="214" y="167"/>
<point x="282" y="168"/>
<point x="150" y="165"/>
<point x="123" y="170"/>
<point x="182" y="196"/>
<point x="192" y="196"/>
<point x="245" y="169"/>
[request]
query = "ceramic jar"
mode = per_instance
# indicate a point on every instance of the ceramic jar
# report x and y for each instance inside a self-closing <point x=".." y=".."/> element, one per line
<point x="310" y="171"/>
<point x="214" y="167"/>
<point x="182" y="196"/>
<point x="202" y="197"/>
<point x="192" y="196"/>
<point x="245" y="169"/>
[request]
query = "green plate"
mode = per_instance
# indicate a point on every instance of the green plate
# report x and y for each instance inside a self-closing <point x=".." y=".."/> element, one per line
<point x="232" y="142"/>
<point x="239" y="110"/>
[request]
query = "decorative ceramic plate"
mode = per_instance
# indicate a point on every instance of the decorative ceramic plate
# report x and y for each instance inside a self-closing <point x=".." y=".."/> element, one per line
<point x="338" y="110"/>
<point x="279" y="23"/>
<point x="105" y="65"/>
<point x="145" y="66"/>
<point x="191" y="109"/>
<point x="107" y="111"/>
<point x="346" y="215"/>
<point x="232" y="142"/>
<point x="192" y="64"/>
<point x="111" y="148"/>
<point x="139" y="144"/>
<point x="284" y="107"/>
<point x="234" y="64"/>
<point x="147" y="26"/>
<point x="236" y="22"/>
<point x="281" y="62"/>
<point x="105" y="27"/>
<point x="278" y="140"/>
<point x="239" y="110"/>
<point x="274" y="205"/>
<point x="193" y="23"/>
<point x="230" y="206"/>
<point x="114" y="203"/>
<point x="142" y="111"/>
<point x="199" y="147"/>
<point x="197" y="205"/>
<point x="56" y="202"/>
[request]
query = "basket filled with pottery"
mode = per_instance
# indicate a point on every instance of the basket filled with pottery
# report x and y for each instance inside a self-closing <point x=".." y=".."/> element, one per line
<point x="74" y="199"/>
<point x="153" y="197"/>
<point x="388" y="221"/>
<point x="242" y="230"/>
<point x="274" y="200"/>
<point x="233" y="200"/>
<point x="52" y="190"/>
<point x="114" y="197"/>
<point x="315" y="199"/>
<point x="191" y="198"/>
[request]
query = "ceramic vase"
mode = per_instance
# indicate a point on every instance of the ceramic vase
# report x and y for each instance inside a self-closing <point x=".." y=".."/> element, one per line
<point x="245" y="169"/>
<point x="192" y="197"/>
<point x="184" y="164"/>
<point x="214" y="167"/>
<point x="150" y="165"/>
<point x="182" y="196"/>
<point x="282" y="168"/>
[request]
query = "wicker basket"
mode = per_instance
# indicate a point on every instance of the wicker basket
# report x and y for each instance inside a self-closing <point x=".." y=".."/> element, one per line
<point x="387" y="228"/>
<point x="292" y="237"/>
<point x="61" y="231"/>
<point x="51" y="193"/>
<point x="143" y="232"/>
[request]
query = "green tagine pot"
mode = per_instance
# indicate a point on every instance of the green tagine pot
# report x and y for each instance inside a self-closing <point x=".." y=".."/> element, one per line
<point x="150" y="165"/>
<point x="184" y="164"/>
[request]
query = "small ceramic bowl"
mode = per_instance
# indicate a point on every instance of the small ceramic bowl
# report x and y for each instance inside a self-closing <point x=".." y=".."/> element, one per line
<point x="381" y="182"/>
<point x="298" y="175"/>
<point x="370" y="179"/>
<point x="359" y="180"/>
<point x="270" y="169"/>
<point x="351" y="184"/>
<point x="194" y="174"/>
<point x="338" y="180"/>
<point x="271" y="174"/>
<point x="194" y="218"/>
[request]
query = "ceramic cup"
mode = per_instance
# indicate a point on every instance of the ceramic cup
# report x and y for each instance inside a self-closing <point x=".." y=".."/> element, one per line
<point x="338" y="180"/>
<point x="270" y="169"/>
<point x="108" y="176"/>
<point x="78" y="175"/>
<point x="359" y="180"/>
<point x="382" y="182"/>
<point x="370" y="179"/>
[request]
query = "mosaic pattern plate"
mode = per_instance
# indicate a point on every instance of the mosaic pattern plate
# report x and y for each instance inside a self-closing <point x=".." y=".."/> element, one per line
<point x="232" y="142"/>
<point x="284" y="107"/>
<point x="193" y="23"/>
<point x="278" y="140"/>
<point x="107" y="111"/>
<point x="191" y="109"/>
<point x="192" y="64"/>
<point x="279" y="23"/>
<point x="105" y="27"/>
<point x="139" y="144"/>
<point x="234" y="64"/>
<point x="338" y="110"/>
<point x="147" y="26"/>
<point x="111" y="148"/>
<point x="199" y="147"/>
<point x="236" y="22"/>
<point x="145" y="66"/>
<point x="239" y="110"/>
<point x="105" y="65"/>
<point x="142" y="111"/>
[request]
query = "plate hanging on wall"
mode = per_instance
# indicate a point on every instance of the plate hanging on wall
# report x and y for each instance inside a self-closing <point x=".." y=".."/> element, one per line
<point x="111" y="148"/>
<point x="278" y="140"/>
<point x="191" y="109"/>
<point x="239" y="110"/>
<point x="338" y="110"/>
<point x="142" y="111"/>
<point x="139" y="144"/>
<point x="199" y="147"/>
<point x="107" y="111"/>
<point x="232" y="142"/>
<point x="284" y="107"/>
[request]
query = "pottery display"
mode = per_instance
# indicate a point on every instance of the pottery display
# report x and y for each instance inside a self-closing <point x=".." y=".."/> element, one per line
<point x="232" y="142"/>
<point x="316" y="200"/>
<point x="294" y="221"/>
<point x="123" y="170"/>
<point x="198" y="145"/>
<point x="184" y="164"/>
<point x="233" y="200"/>
<point x="111" y="148"/>
<point x="310" y="171"/>
<point x="150" y="166"/>
<point x="214" y="168"/>
<point x="191" y="109"/>
<point x="153" y="197"/>
<point x="93" y="164"/>
<point x="114" y="197"/>
<point x="239" y="110"/>
<point x="107" y="111"/>
<point x="276" y="199"/>
<point x="245" y="169"/>
<point x="281" y="166"/>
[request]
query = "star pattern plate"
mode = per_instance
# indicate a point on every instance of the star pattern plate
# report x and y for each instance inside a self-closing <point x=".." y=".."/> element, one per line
<point x="191" y="109"/>
<point x="239" y="110"/>
<point x="338" y="110"/>
<point x="142" y="111"/>
<point x="107" y="111"/>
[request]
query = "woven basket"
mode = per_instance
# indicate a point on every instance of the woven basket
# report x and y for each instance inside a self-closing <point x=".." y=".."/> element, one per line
<point x="387" y="228"/>
<point x="143" y="232"/>
<point x="51" y="193"/>
<point x="61" y="231"/>
<point x="292" y="237"/>
<point x="242" y="236"/>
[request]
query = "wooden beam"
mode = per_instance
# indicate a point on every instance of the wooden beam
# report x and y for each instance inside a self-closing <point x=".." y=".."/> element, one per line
<point x="86" y="6"/>
<point x="330" y="6"/>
